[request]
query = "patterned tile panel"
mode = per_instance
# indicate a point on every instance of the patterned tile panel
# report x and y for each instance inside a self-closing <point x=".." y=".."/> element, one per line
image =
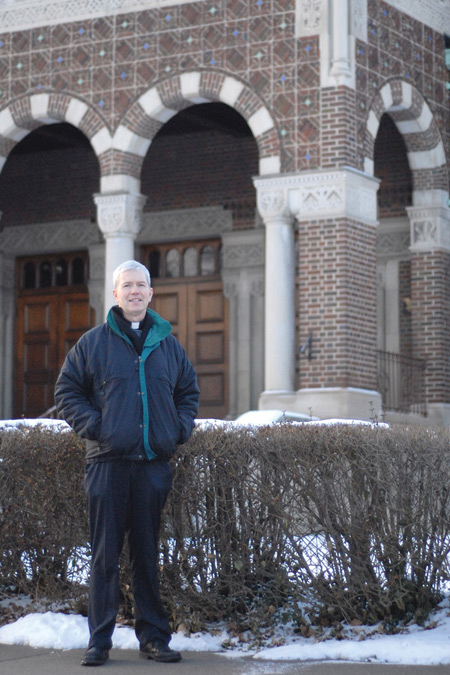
<point x="111" y="61"/>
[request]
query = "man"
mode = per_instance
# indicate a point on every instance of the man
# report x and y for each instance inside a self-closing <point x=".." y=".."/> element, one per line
<point x="128" y="388"/>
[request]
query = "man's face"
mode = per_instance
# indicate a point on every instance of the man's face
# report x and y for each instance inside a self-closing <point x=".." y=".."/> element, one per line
<point x="132" y="294"/>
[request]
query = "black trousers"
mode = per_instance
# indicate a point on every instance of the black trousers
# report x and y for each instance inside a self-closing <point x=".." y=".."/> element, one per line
<point x="126" y="498"/>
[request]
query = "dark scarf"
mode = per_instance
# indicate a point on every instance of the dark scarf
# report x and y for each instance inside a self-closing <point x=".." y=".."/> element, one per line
<point x="137" y="336"/>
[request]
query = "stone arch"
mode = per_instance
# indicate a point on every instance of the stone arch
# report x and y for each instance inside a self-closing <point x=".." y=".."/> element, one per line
<point x="416" y="123"/>
<point x="164" y="100"/>
<point x="25" y="114"/>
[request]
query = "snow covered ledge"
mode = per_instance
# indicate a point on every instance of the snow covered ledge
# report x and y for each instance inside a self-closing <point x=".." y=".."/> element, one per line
<point x="327" y="402"/>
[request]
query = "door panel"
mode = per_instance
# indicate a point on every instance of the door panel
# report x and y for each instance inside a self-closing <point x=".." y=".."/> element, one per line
<point x="198" y="313"/>
<point x="170" y="302"/>
<point x="189" y="293"/>
<point x="209" y="304"/>
<point x="208" y="345"/>
<point x="78" y="318"/>
<point x="47" y="327"/>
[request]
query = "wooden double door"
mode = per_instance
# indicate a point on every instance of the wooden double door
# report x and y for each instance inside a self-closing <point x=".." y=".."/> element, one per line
<point x="198" y="314"/>
<point x="188" y="292"/>
<point x="53" y="312"/>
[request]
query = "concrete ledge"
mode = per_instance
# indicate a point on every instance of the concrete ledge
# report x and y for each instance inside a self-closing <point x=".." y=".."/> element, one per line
<point x="327" y="403"/>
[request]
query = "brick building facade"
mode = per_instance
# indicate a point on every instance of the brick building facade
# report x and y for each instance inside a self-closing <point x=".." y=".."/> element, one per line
<point x="282" y="164"/>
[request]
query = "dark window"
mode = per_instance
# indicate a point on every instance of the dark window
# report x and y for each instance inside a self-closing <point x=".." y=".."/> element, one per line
<point x="29" y="275"/>
<point x="154" y="264"/>
<point x="45" y="274"/>
<point x="78" y="271"/>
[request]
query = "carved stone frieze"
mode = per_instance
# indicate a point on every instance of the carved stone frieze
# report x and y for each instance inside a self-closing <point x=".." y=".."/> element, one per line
<point x="243" y="249"/>
<point x="393" y="244"/>
<point x="343" y="193"/>
<point x="21" y="14"/>
<point x="328" y="198"/>
<point x="247" y="255"/>
<point x="185" y="224"/>
<point x="49" y="237"/>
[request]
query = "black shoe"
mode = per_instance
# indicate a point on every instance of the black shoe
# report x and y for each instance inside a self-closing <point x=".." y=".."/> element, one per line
<point x="94" y="656"/>
<point x="158" y="651"/>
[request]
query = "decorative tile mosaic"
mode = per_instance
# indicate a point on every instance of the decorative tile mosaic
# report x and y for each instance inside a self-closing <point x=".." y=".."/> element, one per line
<point x="110" y="61"/>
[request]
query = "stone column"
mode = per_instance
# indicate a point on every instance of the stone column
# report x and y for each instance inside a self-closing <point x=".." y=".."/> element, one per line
<point x="336" y="215"/>
<point x="279" y="333"/>
<point x="340" y="61"/>
<point x="7" y="311"/>
<point x="119" y="216"/>
<point x="96" y="281"/>
<point x="430" y="300"/>
<point x="243" y="277"/>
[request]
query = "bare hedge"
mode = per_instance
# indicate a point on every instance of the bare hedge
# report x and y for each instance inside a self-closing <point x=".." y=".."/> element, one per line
<point x="352" y="522"/>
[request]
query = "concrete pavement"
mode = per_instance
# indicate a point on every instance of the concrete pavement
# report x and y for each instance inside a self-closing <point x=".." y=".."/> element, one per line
<point x="19" y="660"/>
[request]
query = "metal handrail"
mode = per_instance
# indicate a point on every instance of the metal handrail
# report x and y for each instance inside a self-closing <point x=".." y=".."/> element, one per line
<point x="401" y="382"/>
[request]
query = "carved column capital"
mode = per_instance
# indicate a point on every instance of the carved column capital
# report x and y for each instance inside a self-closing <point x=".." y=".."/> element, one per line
<point x="119" y="213"/>
<point x="272" y="198"/>
<point x="318" y="194"/>
<point x="430" y="228"/>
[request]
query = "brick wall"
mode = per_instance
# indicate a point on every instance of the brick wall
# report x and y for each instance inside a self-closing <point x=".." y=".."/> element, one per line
<point x="109" y="62"/>
<point x="338" y="128"/>
<point x="203" y="168"/>
<point x="336" y="289"/>
<point x="40" y="187"/>
<point x="430" y="295"/>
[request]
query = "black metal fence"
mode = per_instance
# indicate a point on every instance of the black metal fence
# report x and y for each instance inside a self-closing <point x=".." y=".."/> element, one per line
<point x="401" y="382"/>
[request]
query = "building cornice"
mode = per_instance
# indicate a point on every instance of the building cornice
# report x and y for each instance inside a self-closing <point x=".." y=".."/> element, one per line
<point x="433" y="13"/>
<point x="23" y="14"/>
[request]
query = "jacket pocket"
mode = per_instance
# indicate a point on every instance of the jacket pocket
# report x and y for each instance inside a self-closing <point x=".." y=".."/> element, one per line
<point x="164" y="423"/>
<point x="121" y="407"/>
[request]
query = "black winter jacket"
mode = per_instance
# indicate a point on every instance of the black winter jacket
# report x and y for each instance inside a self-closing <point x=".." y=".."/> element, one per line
<point x="126" y="405"/>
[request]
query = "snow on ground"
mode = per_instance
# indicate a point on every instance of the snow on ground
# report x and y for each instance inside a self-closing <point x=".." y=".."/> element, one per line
<point x="56" y="425"/>
<point x="415" y="646"/>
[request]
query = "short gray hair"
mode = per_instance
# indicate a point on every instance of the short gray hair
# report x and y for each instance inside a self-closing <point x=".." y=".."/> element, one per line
<point x="130" y="265"/>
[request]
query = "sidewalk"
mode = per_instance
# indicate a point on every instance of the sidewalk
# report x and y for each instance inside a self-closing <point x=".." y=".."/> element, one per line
<point x="19" y="660"/>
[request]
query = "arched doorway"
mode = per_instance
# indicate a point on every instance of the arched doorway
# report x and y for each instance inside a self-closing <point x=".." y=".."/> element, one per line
<point x="46" y="186"/>
<point x="394" y="258"/>
<point x="205" y="156"/>
<point x="400" y="375"/>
